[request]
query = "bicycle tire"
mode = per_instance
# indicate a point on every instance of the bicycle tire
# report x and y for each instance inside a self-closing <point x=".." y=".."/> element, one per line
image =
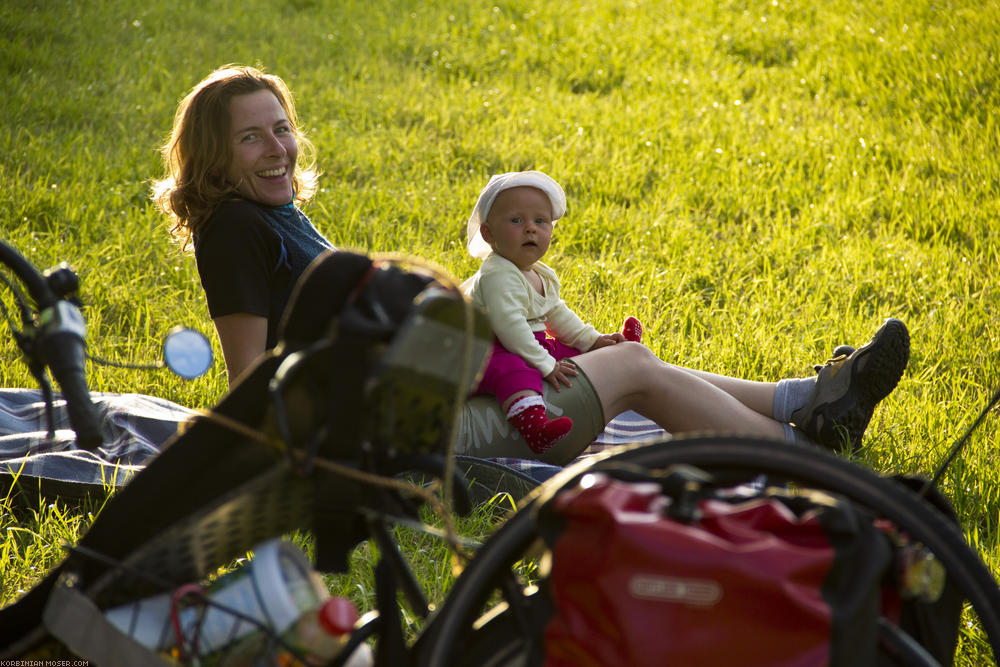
<point x="453" y="632"/>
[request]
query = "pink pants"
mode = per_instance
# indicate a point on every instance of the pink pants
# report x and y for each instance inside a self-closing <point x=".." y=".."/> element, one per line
<point x="507" y="373"/>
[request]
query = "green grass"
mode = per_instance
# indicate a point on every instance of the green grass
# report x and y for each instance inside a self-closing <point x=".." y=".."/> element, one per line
<point x="756" y="181"/>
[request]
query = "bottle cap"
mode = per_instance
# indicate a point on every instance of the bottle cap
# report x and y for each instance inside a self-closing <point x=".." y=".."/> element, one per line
<point x="338" y="615"/>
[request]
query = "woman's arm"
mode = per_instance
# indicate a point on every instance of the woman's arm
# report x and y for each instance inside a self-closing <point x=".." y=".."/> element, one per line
<point x="244" y="338"/>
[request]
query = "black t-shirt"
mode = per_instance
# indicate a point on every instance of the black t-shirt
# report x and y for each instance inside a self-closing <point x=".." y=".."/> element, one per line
<point x="250" y="256"/>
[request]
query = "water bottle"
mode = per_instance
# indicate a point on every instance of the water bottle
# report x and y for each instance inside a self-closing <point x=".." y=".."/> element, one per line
<point x="275" y="589"/>
<point x="321" y="633"/>
<point x="317" y="636"/>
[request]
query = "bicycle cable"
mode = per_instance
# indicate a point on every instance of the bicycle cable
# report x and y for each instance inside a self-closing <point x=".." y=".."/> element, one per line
<point x="126" y="364"/>
<point x="957" y="447"/>
<point x="18" y="296"/>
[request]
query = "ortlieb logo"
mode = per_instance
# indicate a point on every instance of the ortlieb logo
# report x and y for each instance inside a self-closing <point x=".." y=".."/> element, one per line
<point x="695" y="592"/>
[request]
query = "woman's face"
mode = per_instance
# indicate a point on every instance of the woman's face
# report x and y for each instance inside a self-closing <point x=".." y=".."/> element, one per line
<point x="264" y="149"/>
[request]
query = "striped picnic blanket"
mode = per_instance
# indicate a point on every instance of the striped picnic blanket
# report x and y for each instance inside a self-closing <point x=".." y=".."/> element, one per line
<point x="137" y="425"/>
<point x="134" y="428"/>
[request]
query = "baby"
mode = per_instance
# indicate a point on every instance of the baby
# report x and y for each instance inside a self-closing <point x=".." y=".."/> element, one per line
<point x="510" y="230"/>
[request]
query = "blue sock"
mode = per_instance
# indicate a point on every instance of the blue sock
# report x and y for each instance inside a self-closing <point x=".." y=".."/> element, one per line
<point x="796" y="436"/>
<point x="790" y="395"/>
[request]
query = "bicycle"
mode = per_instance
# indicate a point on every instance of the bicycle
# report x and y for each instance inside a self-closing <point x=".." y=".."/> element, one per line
<point x="290" y="447"/>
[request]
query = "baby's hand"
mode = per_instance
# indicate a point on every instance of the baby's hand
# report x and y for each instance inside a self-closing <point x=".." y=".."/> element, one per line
<point x="607" y="339"/>
<point x="561" y="373"/>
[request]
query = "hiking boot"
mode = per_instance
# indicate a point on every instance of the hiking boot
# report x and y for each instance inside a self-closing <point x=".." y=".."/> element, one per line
<point x="839" y="351"/>
<point x="850" y="386"/>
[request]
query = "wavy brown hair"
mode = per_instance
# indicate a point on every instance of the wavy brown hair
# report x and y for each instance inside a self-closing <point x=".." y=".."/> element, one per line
<point x="198" y="151"/>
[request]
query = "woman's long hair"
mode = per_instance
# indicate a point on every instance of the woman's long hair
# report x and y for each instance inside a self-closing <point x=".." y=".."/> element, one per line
<point x="199" y="151"/>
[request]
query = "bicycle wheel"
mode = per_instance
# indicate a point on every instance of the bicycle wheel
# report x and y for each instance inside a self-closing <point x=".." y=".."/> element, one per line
<point x="459" y="632"/>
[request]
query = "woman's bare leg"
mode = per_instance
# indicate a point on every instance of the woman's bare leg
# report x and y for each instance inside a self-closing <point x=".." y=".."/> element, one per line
<point x="758" y="396"/>
<point x="627" y="376"/>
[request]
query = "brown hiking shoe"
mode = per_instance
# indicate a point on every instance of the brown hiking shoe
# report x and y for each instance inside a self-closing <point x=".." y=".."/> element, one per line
<point x="850" y="386"/>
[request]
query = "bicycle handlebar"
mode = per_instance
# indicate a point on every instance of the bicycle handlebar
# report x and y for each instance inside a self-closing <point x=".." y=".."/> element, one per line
<point x="61" y="345"/>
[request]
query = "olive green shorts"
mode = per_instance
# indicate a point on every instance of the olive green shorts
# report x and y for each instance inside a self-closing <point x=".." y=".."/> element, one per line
<point x="485" y="432"/>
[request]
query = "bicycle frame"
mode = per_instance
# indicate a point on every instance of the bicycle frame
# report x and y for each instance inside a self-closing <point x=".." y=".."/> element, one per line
<point x="278" y="462"/>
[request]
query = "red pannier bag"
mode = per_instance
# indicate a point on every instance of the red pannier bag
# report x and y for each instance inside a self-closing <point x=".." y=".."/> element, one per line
<point x="773" y="578"/>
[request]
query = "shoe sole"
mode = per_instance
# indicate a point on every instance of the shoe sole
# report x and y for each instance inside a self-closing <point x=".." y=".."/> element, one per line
<point x="872" y="379"/>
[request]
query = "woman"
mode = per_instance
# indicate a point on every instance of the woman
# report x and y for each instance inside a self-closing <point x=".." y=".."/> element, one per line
<point x="233" y="181"/>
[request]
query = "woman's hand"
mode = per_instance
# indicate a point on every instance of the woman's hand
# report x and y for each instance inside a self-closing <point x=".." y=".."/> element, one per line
<point x="607" y="339"/>
<point x="564" y="370"/>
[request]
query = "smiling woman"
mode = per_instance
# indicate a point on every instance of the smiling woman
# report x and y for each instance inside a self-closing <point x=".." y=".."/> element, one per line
<point x="264" y="149"/>
<point x="232" y="186"/>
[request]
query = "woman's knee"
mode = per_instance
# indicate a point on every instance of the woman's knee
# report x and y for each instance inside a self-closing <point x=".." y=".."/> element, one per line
<point x="634" y="356"/>
<point x="621" y="372"/>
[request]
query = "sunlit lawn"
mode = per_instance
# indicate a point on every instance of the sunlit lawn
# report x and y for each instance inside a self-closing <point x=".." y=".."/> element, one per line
<point x="757" y="181"/>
